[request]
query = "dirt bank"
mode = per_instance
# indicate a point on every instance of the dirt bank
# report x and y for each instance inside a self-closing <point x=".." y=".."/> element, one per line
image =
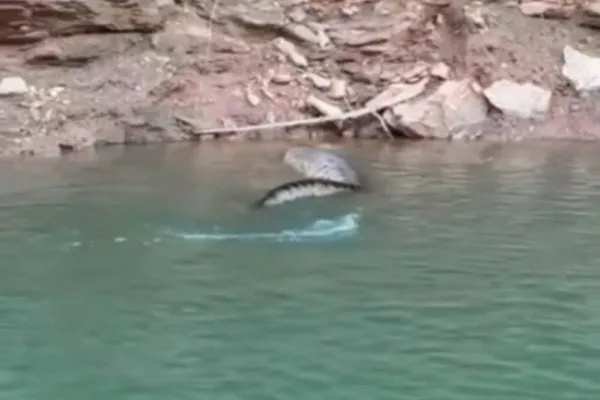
<point x="77" y="75"/>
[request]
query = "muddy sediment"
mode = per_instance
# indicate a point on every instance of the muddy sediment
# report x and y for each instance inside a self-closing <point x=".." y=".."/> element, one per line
<point x="75" y="76"/>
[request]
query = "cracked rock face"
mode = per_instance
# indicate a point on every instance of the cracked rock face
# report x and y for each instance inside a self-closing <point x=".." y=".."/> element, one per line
<point x="23" y="21"/>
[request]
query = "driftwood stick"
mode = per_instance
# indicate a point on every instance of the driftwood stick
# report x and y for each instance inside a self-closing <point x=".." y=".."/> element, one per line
<point x="353" y="114"/>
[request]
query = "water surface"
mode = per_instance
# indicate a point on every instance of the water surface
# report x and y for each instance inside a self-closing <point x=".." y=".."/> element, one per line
<point x="474" y="273"/>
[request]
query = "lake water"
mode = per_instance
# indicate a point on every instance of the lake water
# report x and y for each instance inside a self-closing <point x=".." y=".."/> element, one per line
<point x="468" y="271"/>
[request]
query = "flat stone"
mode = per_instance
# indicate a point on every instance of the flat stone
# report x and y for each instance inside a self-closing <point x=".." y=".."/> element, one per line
<point x="524" y="100"/>
<point x="12" y="85"/>
<point x="319" y="81"/>
<point x="548" y="9"/>
<point x="302" y="32"/>
<point x="282" y="78"/>
<point x="291" y="52"/>
<point x="359" y="37"/>
<point x="260" y="15"/>
<point x="581" y="70"/>
<point x="398" y="93"/>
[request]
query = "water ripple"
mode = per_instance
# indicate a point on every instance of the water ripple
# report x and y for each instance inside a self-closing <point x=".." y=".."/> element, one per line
<point x="467" y="280"/>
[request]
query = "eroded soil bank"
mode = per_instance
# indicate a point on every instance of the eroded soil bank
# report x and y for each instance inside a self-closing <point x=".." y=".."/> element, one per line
<point x="78" y="75"/>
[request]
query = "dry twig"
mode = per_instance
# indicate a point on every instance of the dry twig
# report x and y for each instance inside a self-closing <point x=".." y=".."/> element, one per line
<point x="353" y="114"/>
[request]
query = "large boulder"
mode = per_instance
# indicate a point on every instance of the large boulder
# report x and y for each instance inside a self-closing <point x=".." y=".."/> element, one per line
<point x="23" y="21"/>
<point x="454" y="110"/>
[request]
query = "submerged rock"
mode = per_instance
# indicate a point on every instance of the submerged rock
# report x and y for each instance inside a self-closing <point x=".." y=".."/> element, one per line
<point x="582" y="71"/>
<point x="519" y="100"/>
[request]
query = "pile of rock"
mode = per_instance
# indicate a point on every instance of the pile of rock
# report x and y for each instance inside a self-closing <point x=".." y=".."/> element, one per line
<point x="428" y="105"/>
<point x="383" y="73"/>
<point x="585" y="13"/>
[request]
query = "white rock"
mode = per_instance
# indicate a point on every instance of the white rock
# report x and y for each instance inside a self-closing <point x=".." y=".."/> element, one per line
<point x="449" y="112"/>
<point x="440" y="70"/>
<point x="291" y="52"/>
<point x="524" y="100"/>
<point x="592" y="8"/>
<point x="398" y="93"/>
<point x="534" y="8"/>
<point x="318" y="81"/>
<point x="302" y="32"/>
<point x="12" y="85"/>
<point x="338" y="88"/>
<point x="582" y="71"/>
<point x="282" y="78"/>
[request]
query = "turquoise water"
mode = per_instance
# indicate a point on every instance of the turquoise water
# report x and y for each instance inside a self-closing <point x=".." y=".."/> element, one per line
<point x="473" y="272"/>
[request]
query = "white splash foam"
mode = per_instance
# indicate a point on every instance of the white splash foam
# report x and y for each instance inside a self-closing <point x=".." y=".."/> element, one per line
<point x="344" y="226"/>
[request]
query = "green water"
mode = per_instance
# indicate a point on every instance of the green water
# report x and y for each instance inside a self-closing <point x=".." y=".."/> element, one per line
<point x="475" y="274"/>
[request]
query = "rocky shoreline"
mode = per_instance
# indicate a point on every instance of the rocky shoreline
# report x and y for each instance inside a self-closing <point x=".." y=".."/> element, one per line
<point x="77" y="75"/>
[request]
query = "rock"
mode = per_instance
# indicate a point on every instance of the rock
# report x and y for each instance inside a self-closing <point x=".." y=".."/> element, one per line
<point x="75" y="138"/>
<point x="369" y="130"/>
<point x="559" y="9"/>
<point x="150" y="124"/>
<point x="359" y="37"/>
<point x="582" y="71"/>
<point x="288" y="48"/>
<point x="25" y="21"/>
<point x="338" y="89"/>
<point x="302" y="32"/>
<point x="416" y="73"/>
<point x="592" y="8"/>
<point x="297" y="14"/>
<point x="77" y="50"/>
<point x="111" y="132"/>
<point x="323" y="107"/>
<point x="187" y="33"/>
<point x="251" y="97"/>
<point x="398" y="93"/>
<point x="440" y="70"/>
<point x="282" y="78"/>
<point x="525" y="100"/>
<point x="451" y="111"/>
<point x="41" y="147"/>
<point x="590" y="14"/>
<point x="475" y="19"/>
<point x="268" y="14"/>
<point x="318" y="81"/>
<point x="12" y="85"/>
